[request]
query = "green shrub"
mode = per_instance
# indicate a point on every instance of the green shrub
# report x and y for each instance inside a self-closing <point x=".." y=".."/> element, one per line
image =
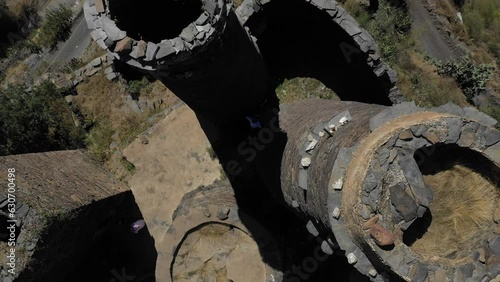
<point x="470" y="77"/>
<point x="136" y="86"/>
<point x="37" y="121"/>
<point x="390" y="27"/>
<point x="301" y="88"/>
<point x="56" y="26"/>
<point x="99" y="139"/>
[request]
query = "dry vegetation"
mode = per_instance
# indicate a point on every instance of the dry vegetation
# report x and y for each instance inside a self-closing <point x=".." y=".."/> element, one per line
<point x="16" y="7"/>
<point x="301" y="88"/>
<point x="463" y="207"/>
<point x="205" y="255"/>
<point x="107" y="108"/>
<point x="418" y="80"/>
<point x="480" y="29"/>
<point x="16" y="73"/>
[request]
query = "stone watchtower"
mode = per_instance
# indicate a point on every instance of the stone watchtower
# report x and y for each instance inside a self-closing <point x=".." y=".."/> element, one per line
<point x="197" y="48"/>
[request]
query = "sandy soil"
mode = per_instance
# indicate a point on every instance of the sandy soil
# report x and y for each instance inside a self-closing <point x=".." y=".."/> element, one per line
<point x="171" y="159"/>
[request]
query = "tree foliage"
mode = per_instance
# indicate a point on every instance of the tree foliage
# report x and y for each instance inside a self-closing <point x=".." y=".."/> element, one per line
<point x="37" y="121"/>
<point x="470" y="77"/>
<point x="56" y="26"/>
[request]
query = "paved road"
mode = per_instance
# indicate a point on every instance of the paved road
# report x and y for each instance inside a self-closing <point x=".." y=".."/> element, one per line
<point x="431" y="39"/>
<point x="74" y="47"/>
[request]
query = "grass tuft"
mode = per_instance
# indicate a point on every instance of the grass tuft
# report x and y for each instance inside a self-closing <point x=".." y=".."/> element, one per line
<point x="462" y="208"/>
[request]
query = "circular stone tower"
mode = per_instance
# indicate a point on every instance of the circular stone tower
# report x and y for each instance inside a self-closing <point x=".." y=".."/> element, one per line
<point x="197" y="48"/>
<point x="409" y="194"/>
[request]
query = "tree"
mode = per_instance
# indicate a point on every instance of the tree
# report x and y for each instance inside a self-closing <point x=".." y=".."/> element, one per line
<point x="38" y="121"/>
<point x="471" y="78"/>
<point x="56" y="26"/>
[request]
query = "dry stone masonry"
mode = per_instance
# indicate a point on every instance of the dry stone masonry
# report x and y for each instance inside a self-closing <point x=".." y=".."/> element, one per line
<point x="364" y="41"/>
<point x="362" y="184"/>
<point x="211" y="63"/>
<point x="347" y="168"/>
<point x="215" y="205"/>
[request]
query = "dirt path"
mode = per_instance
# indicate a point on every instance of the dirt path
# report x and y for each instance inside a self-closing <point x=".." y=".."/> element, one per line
<point x="430" y="38"/>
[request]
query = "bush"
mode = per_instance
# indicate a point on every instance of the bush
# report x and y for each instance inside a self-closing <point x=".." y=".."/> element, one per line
<point x="136" y="86"/>
<point x="474" y="23"/>
<point x="390" y="27"/>
<point x="56" y="26"/>
<point x="470" y="77"/>
<point x="39" y="121"/>
<point x="99" y="139"/>
<point x="494" y="112"/>
<point x="301" y="88"/>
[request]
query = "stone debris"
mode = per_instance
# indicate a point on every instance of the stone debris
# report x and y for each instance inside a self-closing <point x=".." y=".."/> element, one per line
<point x="165" y="49"/>
<point x="381" y="236"/>
<point x="336" y="213"/>
<point x="99" y="5"/>
<point x="139" y="51"/>
<point x="351" y="258"/>
<point x="91" y="72"/>
<point x="326" y="248"/>
<point x="151" y="51"/>
<point x="305" y="162"/>
<point x="203" y="18"/>
<point x="189" y="33"/>
<point x="311" y="228"/>
<point x="112" y="76"/>
<point x="96" y="62"/>
<point x="223" y="213"/>
<point x="112" y="31"/>
<point x="124" y="45"/>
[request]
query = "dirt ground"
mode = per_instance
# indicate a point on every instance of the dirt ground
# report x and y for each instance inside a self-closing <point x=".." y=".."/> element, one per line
<point x="171" y="159"/>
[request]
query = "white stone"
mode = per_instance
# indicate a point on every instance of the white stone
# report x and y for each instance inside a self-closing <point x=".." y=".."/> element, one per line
<point x="351" y="258"/>
<point x="336" y="212"/>
<point x="338" y="184"/>
<point x="343" y="120"/>
<point x="311" y="145"/>
<point x="372" y="272"/>
<point x="305" y="162"/>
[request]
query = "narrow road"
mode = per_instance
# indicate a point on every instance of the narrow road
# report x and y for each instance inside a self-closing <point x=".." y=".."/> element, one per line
<point x="430" y="38"/>
<point x="74" y="47"/>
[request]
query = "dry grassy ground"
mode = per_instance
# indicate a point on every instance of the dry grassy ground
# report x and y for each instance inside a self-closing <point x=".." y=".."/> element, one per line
<point x="108" y="108"/>
<point x="462" y="208"/>
<point x="218" y="253"/>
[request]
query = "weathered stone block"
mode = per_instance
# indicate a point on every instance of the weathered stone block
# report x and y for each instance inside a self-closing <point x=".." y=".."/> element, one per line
<point x="474" y="114"/>
<point x="203" y="18"/>
<point x="139" y="50"/>
<point x="165" y="48"/>
<point x="124" y="45"/>
<point x="111" y="76"/>
<point x="403" y="202"/>
<point x="311" y="228"/>
<point x="96" y="62"/>
<point x="151" y="51"/>
<point x="112" y="31"/>
<point x="189" y="33"/>
<point x="99" y="5"/>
